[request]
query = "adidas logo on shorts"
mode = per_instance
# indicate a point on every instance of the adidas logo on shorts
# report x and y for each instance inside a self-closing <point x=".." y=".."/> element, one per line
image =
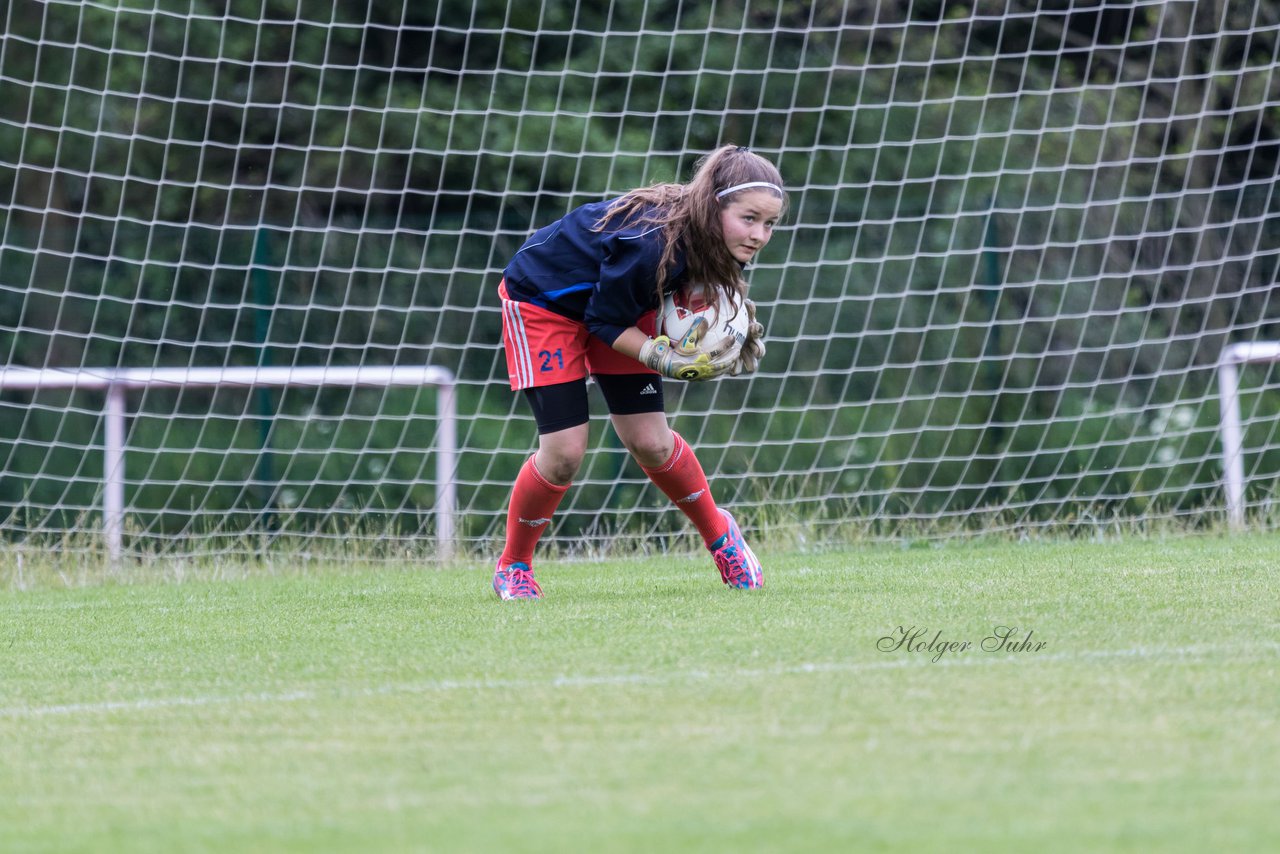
<point x="649" y="389"/>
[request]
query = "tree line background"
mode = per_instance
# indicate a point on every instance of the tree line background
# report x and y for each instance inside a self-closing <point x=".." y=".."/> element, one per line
<point x="1020" y="235"/>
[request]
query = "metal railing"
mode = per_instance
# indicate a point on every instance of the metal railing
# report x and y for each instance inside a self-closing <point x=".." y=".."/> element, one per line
<point x="117" y="382"/>
<point x="1229" y="364"/>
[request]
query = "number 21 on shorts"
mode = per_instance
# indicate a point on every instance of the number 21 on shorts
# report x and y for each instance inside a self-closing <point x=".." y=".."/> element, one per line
<point x="552" y="360"/>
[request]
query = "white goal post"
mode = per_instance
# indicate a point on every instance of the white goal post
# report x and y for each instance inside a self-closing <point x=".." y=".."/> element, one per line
<point x="117" y="382"/>
<point x="1233" y="357"/>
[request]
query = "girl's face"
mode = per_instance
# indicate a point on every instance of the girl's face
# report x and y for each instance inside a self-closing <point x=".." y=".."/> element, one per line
<point x="747" y="222"/>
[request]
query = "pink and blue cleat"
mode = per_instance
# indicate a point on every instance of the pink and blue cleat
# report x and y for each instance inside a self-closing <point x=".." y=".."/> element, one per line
<point x="738" y="565"/>
<point x="515" y="581"/>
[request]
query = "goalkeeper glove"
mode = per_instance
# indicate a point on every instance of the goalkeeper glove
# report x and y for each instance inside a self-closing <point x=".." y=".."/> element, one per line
<point x="753" y="348"/>
<point x="661" y="355"/>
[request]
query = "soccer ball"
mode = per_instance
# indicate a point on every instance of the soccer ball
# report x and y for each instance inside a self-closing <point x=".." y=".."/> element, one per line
<point x="698" y="322"/>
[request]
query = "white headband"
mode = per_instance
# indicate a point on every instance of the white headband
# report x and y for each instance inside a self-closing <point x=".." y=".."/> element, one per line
<point x="736" y="187"/>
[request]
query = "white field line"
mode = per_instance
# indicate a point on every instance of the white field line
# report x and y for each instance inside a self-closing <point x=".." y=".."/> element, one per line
<point x="897" y="661"/>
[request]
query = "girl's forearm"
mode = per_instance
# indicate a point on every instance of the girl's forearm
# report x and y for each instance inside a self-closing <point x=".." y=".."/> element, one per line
<point x="630" y="342"/>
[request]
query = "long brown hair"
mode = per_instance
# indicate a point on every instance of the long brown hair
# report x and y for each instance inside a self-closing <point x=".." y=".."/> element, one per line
<point x="690" y="216"/>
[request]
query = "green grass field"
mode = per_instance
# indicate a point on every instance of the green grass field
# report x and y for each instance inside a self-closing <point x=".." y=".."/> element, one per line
<point x="644" y="707"/>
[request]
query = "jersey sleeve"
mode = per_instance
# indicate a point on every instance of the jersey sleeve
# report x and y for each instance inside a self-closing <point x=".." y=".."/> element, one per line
<point x="627" y="285"/>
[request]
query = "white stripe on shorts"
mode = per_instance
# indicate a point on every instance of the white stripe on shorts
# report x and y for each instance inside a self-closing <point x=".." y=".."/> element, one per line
<point x="520" y="344"/>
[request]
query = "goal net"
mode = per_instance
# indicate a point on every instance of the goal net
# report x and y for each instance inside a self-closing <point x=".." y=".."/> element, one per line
<point x="1021" y="235"/>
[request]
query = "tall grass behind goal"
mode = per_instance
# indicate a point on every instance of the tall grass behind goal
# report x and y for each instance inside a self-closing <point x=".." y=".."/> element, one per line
<point x="1021" y="237"/>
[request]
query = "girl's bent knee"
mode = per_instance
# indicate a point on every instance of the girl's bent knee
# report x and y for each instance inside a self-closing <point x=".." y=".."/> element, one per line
<point x="558" y="467"/>
<point x="652" y="452"/>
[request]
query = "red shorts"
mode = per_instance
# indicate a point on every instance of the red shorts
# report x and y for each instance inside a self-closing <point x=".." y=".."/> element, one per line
<point x="544" y="348"/>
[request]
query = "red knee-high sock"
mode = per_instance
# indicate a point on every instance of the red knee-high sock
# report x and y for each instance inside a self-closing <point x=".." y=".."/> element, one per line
<point x="682" y="480"/>
<point x="533" y="501"/>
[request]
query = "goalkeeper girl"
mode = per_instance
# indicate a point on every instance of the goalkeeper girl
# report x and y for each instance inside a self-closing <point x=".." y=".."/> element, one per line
<point x="580" y="298"/>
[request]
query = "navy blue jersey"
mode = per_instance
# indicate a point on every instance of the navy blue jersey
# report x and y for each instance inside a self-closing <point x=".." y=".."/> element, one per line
<point x="603" y="279"/>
